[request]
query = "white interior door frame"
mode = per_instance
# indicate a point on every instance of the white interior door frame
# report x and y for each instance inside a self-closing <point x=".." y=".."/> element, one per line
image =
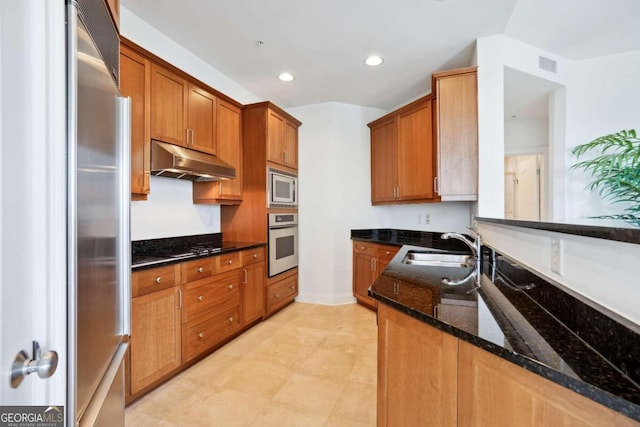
<point x="33" y="194"/>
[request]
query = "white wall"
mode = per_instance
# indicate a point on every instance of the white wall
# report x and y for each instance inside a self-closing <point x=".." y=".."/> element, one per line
<point x="335" y="197"/>
<point x="526" y="135"/>
<point x="169" y="210"/>
<point x="602" y="98"/>
<point x="493" y="54"/>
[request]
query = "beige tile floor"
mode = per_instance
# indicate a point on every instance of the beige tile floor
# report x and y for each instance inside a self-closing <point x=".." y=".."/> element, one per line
<point x="309" y="365"/>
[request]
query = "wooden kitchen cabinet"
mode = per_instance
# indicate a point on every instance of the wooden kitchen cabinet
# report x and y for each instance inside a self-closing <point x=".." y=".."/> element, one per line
<point x="182" y="113"/>
<point x="417" y="372"/>
<point x="211" y="312"/>
<point x="495" y="392"/>
<point x="252" y="288"/>
<point x="155" y="346"/>
<point x="282" y="139"/>
<point x="281" y="291"/>
<point x="369" y="260"/>
<point x="403" y="155"/>
<point x="456" y="125"/>
<point x="135" y="75"/>
<point x="114" y="11"/>
<point x="229" y="149"/>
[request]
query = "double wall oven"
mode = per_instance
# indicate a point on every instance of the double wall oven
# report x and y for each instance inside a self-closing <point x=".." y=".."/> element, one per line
<point x="283" y="242"/>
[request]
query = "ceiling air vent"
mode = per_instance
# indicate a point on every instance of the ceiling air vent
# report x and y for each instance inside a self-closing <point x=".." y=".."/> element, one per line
<point x="548" y="64"/>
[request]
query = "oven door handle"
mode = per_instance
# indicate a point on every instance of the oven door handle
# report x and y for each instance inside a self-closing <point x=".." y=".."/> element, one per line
<point x="276" y="227"/>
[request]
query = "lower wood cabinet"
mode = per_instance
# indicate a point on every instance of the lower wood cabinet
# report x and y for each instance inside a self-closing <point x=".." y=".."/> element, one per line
<point x="155" y="346"/>
<point x="369" y="259"/>
<point x="211" y="312"/>
<point x="281" y="291"/>
<point x="417" y="372"/>
<point x="427" y="377"/>
<point x="252" y="292"/>
<point x="495" y="392"/>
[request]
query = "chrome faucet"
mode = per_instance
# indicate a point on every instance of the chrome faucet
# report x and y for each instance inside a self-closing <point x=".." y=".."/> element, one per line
<point x="476" y="250"/>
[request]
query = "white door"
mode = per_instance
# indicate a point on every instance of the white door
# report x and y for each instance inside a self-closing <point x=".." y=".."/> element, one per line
<point x="528" y="188"/>
<point x="33" y="195"/>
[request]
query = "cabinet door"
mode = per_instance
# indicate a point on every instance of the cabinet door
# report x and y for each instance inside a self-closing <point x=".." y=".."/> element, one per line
<point x="252" y="292"/>
<point x="417" y="372"/>
<point x="457" y="133"/>
<point x="135" y="74"/>
<point x="384" y="162"/>
<point x="290" y="145"/>
<point x="168" y="106"/>
<point x="201" y="120"/>
<point x="364" y="274"/>
<point x="114" y="10"/>
<point x="495" y="392"/>
<point x="415" y="154"/>
<point x="275" y="136"/>
<point x="155" y="337"/>
<point x="229" y="136"/>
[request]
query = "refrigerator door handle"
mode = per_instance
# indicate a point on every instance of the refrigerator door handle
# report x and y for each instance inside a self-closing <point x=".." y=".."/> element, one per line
<point x="124" y="245"/>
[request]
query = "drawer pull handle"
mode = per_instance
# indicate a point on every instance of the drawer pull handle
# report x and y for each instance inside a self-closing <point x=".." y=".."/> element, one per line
<point x="292" y="287"/>
<point x="200" y="298"/>
<point x="230" y="287"/>
<point x="362" y="248"/>
<point x="200" y="335"/>
<point x="231" y="319"/>
<point x="230" y="262"/>
<point x="158" y="279"/>
<point x="277" y="296"/>
<point x="388" y="252"/>
<point x="200" y="269"/>
<point x="255" y="256"/>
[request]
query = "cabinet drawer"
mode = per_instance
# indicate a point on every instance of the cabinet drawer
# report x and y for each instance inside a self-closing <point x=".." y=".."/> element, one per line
<point x="386" y="253"/>
<point x="364" y="248"/>
<point x="252" y="256"/>
<point x="282" y="291"/>
<point x="227" y="262"/>
<point x="197" y="269"/>
<point x="207" y="295"/>
<point x="153" y="280"/>
<point x="200" y="336"/>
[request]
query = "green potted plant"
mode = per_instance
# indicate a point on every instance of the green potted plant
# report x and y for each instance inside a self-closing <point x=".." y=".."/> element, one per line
<point x="615" y="171"/>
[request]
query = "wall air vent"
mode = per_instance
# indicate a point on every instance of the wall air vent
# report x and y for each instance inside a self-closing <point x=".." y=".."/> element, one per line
<point x="548" y="64"/>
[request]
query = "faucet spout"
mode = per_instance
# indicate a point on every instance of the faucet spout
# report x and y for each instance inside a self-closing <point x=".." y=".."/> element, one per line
<point x="476" y="250"/>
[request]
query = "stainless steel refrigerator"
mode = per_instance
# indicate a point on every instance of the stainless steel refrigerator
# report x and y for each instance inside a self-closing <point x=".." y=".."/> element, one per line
<point x="98" y="218"/>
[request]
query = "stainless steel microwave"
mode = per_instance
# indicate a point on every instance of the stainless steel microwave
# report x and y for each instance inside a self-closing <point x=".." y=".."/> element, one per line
<point x="282" y="189"/>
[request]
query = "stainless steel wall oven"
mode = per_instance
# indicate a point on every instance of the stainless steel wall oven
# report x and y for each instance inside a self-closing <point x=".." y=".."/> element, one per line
<point x="283" y="242"/>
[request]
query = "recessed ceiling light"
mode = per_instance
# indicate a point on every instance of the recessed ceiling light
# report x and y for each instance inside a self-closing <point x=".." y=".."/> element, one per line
<point x="374" y="60"/>
<point x="286" y="77"/>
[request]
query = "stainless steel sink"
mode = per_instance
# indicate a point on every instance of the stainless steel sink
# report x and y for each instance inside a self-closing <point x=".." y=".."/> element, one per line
<point x="438" y="259"/>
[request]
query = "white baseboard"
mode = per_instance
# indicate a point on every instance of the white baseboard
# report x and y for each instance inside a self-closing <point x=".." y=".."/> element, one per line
<point x="326" y="299"/>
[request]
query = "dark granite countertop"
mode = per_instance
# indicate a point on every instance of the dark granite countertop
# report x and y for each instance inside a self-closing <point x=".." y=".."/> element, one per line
<point x="389" y="236"/>
<point x="599" y="228"/>
<point x="522" y="318"/>
<point x="155" y="253"/>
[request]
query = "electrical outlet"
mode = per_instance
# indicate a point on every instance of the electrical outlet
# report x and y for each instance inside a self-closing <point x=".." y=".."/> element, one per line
<point x="556" y="256"/>
<point x="427" y="218"/>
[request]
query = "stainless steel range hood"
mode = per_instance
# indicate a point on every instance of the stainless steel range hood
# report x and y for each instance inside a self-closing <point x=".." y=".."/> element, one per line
<point x="183" y="163"/>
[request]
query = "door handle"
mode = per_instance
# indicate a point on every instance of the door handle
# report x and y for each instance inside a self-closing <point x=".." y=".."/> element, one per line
<point x="45" y="365"/>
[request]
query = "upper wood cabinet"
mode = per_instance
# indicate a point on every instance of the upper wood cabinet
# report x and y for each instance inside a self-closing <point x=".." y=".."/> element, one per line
<point x="282" y="139"/>
<point x="456" y="123"/>
<point x="229" y="143"/>
<point x="114" y="10"/>
<point x="182" y="113"/>
<point x="135" y="73"/>
<point x="402" y="155"/>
